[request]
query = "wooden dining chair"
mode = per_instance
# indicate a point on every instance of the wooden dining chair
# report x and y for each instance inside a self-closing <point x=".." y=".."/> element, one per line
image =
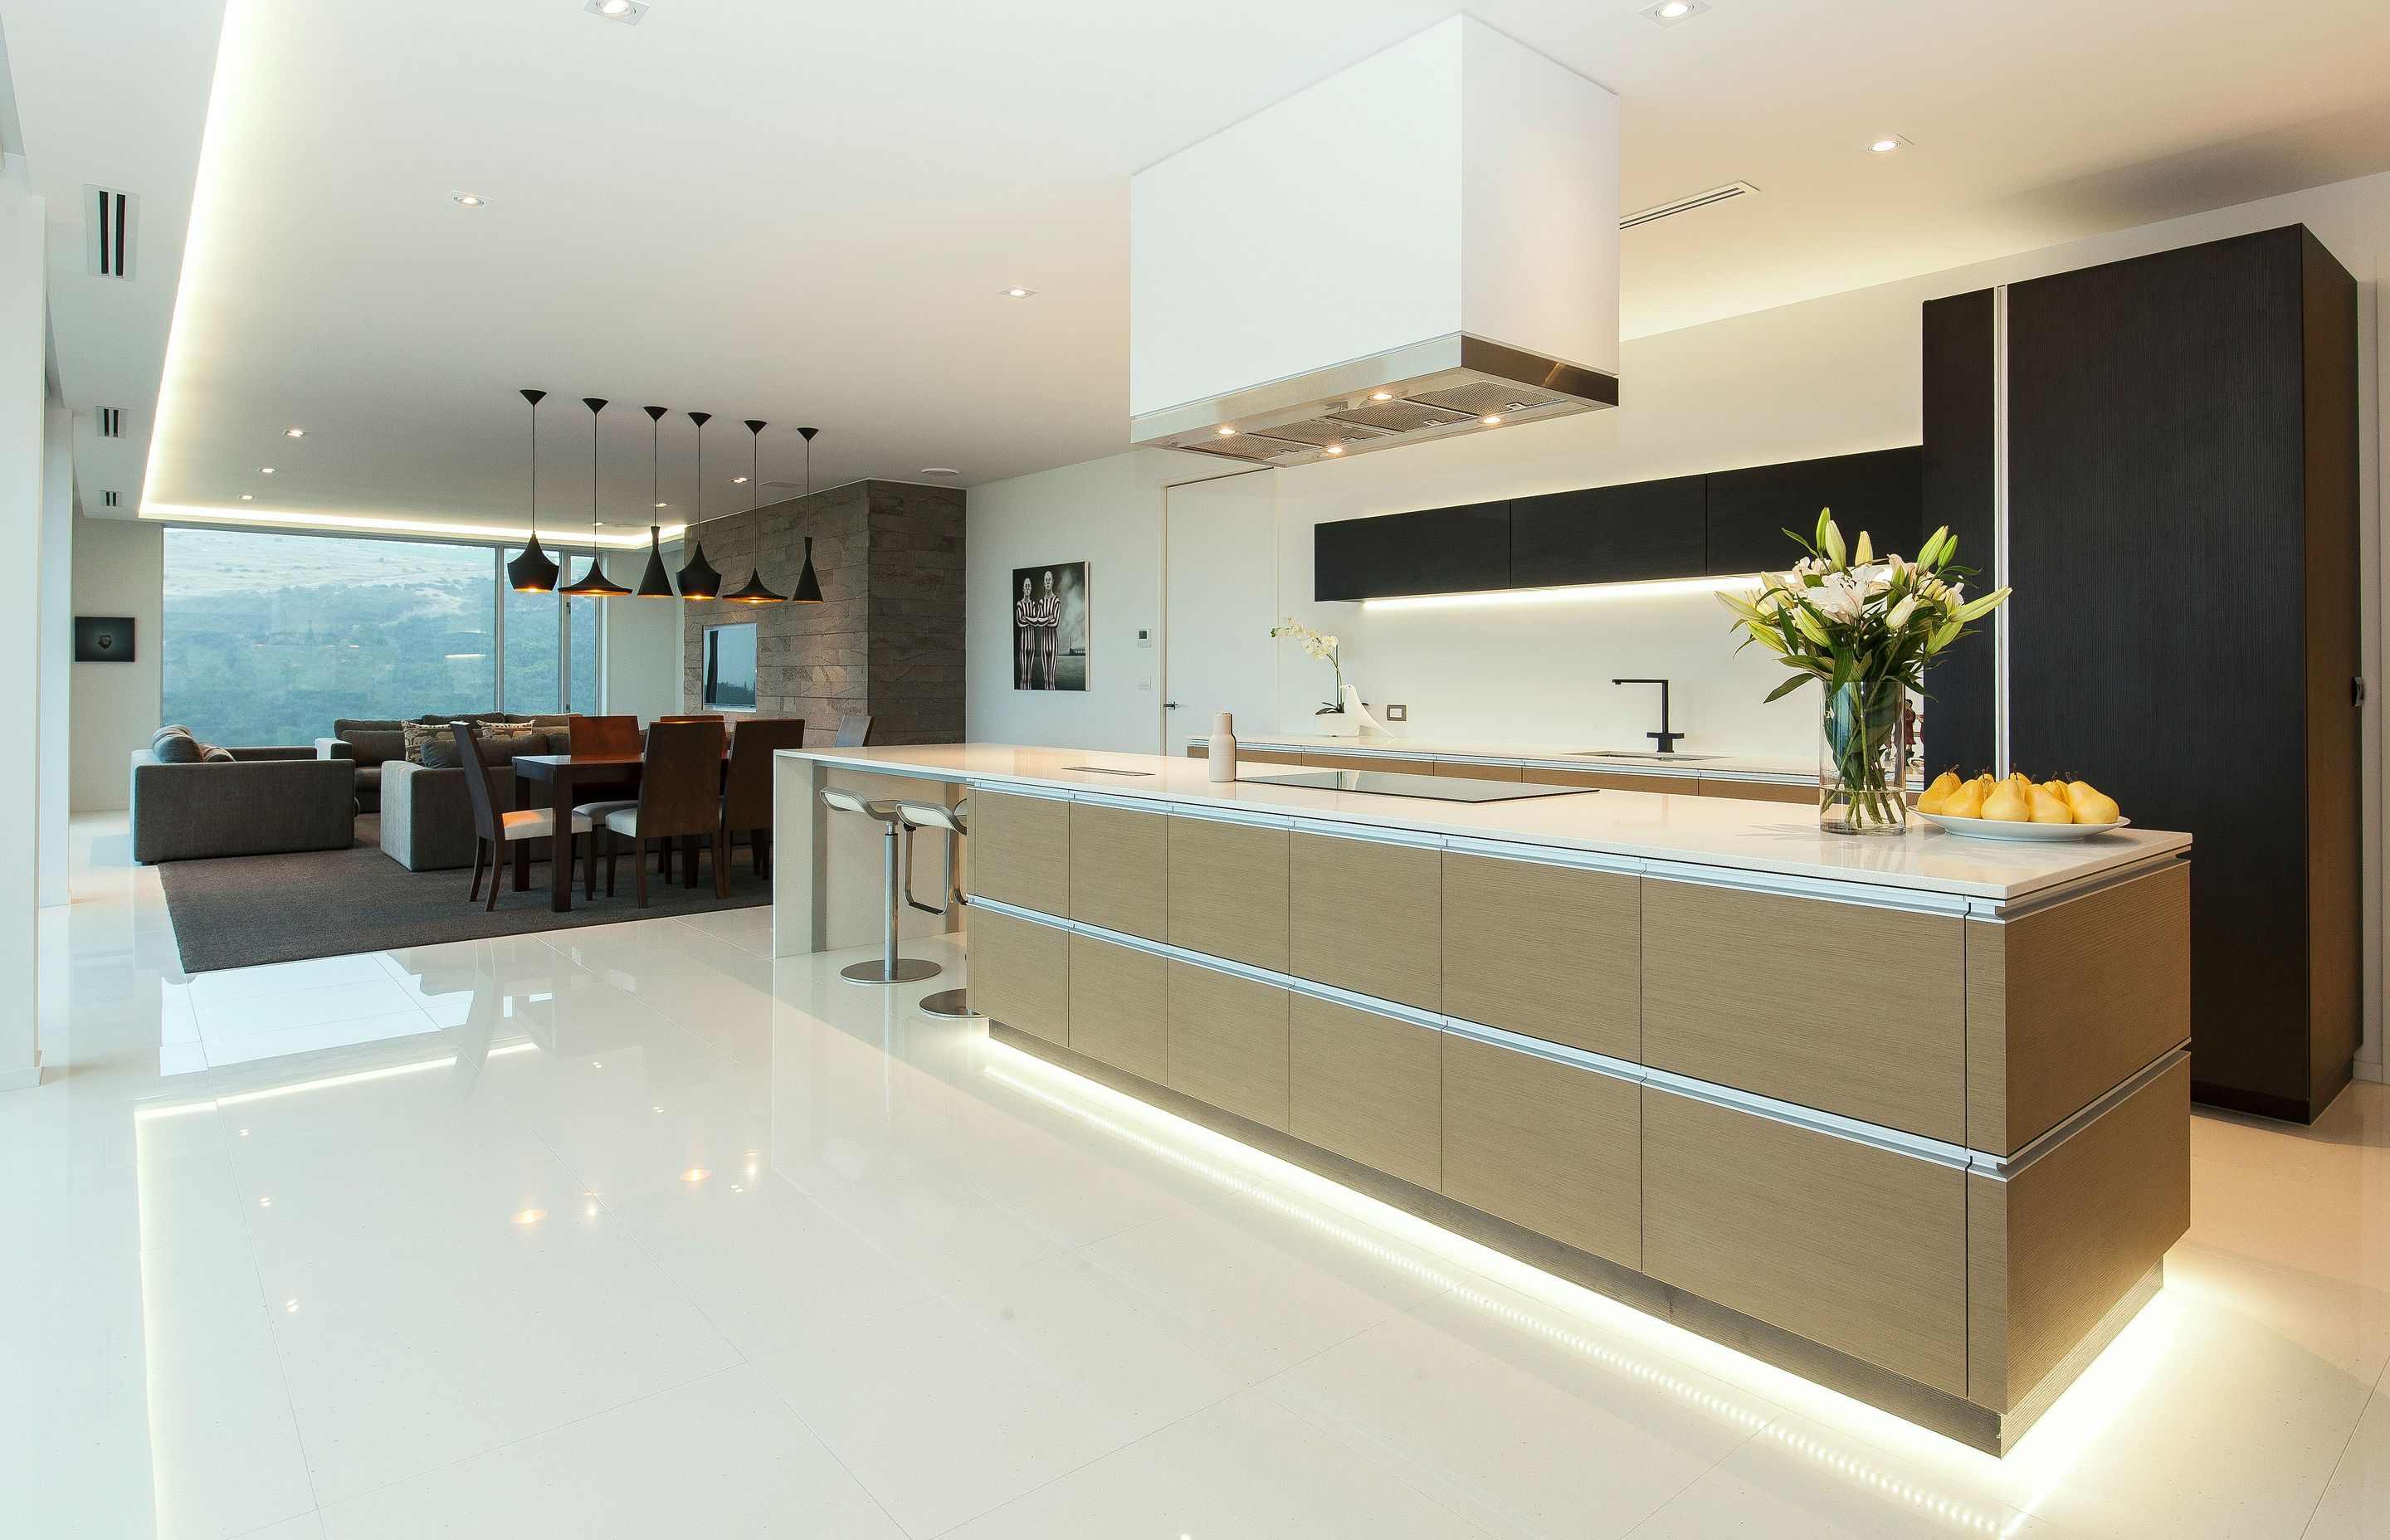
<point x="680" y="795"/>
<point x="854" y="731"/>
<point x="702" y="716"/>
<point x="746" y="786"/>
<point x="604" y="735"/>
<point x="495" y="828"/>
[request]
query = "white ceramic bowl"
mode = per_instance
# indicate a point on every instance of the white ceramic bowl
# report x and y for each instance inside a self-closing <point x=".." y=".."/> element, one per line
<point x="2000" y="828"/>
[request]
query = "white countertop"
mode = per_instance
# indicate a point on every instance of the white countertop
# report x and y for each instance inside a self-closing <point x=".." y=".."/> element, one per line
<point x="1576" y="756"/>
<point x="1712" y="832"/>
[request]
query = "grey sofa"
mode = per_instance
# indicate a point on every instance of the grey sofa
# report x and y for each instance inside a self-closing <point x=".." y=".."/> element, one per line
<point x="262" y="802"/>
<point x="427" y="815"/>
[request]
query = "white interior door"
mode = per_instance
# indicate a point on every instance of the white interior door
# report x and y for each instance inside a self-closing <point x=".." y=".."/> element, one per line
<point x="1220" y="597"/>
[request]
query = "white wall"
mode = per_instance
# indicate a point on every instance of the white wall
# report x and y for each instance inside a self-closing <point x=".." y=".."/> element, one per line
<point x="1107" y="513"/>
<point x="23" y="318"/>
<point x="642" y="677"/>
<point x="1831" y="376"/>
<point x="120" y="569"/>
<point x="54" y="736"/>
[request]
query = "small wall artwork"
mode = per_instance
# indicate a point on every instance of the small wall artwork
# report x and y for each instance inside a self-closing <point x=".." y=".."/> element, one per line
<point x="103" y="639"/>
<point x="1049" y="626"/>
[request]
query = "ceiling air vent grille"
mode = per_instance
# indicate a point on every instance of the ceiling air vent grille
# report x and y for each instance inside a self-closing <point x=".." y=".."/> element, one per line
<point x="111" y="422"/>
<point x="112" y="228"/>
<point x="1686" y="205"/>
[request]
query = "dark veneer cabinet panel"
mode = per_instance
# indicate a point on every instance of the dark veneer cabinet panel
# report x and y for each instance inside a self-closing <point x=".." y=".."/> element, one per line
<point x="1435" y="551"/>
<point x="1636" y="533"/>
<point x="1750" y="509"/>
<point x="1957" y="479"/>
<point x="2182" y="539"/>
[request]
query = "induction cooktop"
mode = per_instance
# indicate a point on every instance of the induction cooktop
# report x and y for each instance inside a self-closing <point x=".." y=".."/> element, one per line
<point x="1441" y="789"/>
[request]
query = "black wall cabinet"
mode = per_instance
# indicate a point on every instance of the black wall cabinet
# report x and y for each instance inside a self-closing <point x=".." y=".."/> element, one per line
<point x="1750" y="510"/>
<point x="1629" y="534"/>
<point x="2183" y="543"/>
<point x="1434" y="551"/>
<point x="1683" y="526"/>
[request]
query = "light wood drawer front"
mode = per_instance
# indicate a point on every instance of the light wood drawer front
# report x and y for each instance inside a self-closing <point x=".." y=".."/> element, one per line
<point x="1021" y="974"/>
<point x="1556" y="1149"/>
<point x="1549" y="951"/>
<point x="2065" y="1003"/>
<point x="1761" y="791"/>
<point x="1228" y="890"/>
<point x="2052" y="1249"/>
<point x="1120" y="869"/>
<point x="1847" y="1245"/>
<point x="1366" y="1086"/>
<point x="1611" y="780"/>
<point x="1477" y="772"/>
<point x="1021" y="851"/>
<point x="1366" y="916"/>
<point x="1120" y="1007"/>
<point x="1853" y="1010"/>
<point x="1228" y="1043"/>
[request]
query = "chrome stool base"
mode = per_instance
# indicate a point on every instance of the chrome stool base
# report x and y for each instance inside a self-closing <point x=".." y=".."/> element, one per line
<point x="901" y="970"/>
<point x="950" y="1005"/>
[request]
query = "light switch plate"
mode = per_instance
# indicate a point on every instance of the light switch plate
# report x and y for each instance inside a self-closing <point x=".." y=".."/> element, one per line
<point x="1399" y="714"/>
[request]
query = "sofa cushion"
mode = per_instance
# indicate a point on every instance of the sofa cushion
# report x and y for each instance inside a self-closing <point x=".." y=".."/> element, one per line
<point x="177" y="748"/>
<point x="558" y="742"/>
<point x="212" y="755"/>
<point x="437" y="753"/>
<point x="419" y="733"/>
<point x="376" y="745"/>
<point x="500" y="746"/>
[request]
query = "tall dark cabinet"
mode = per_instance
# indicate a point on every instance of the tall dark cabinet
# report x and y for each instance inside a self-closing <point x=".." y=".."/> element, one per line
<point x="2178" y="452"/>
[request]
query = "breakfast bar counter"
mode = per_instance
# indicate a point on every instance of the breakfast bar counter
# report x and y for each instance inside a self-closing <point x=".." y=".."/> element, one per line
<point x="1909" y="1116"/>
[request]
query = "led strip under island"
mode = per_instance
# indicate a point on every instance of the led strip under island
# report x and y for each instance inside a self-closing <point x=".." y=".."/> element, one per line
<point x="1909" y="1117"/>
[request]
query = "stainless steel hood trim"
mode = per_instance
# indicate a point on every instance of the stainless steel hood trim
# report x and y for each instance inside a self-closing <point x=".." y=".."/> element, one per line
<point x="1418" y="366"/>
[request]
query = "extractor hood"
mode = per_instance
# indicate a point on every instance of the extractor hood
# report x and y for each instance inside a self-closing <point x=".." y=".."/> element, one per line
<point x="1423" y="245"/>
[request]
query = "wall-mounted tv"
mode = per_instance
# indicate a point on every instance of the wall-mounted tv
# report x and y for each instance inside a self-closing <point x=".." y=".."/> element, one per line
<point x="731" y="667"/>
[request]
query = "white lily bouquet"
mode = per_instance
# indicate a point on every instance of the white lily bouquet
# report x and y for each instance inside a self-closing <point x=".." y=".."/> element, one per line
<point x="1866" y="628"/>
<point x="1320" y="646"/>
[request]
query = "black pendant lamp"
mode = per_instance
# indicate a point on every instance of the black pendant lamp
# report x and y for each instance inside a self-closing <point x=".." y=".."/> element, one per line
<point x="754" y="591"/>
<point x="531" y="571"/>
<point x="808" y="589"/>
<point x="698" y="580"/>
<point x="655" y="584"/>
<point x="594" y="583"/>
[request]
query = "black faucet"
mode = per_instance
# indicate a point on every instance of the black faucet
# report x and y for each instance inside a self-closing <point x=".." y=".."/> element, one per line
<point x="1668" y="739"/>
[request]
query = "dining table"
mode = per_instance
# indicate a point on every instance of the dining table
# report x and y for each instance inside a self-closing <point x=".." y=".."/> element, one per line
<point x="566" y="777"/>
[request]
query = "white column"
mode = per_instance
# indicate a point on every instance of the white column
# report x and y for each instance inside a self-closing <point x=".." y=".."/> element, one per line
<point x="53" y="736"/>
<point x="22" y="316"/>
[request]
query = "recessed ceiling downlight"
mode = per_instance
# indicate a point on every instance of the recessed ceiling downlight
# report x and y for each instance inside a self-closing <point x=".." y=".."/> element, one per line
<point x="1667" y="13"/>
<point x="1016" y="292"/>
<point x="625" y="11"/>
<point x="940" y="471"/>
<point x="1886" y="144"/>
<point x="468" y="199"/>
<point x="294" y="432"/>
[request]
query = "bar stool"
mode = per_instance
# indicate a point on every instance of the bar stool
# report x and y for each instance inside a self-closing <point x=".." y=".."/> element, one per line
<point x="952" y="1004"/>
<point x="891" y="969"/>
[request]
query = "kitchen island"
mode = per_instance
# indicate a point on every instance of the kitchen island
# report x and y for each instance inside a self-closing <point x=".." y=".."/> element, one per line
<point x="1762" y="778"/>
<point x="1907" y="1116"/>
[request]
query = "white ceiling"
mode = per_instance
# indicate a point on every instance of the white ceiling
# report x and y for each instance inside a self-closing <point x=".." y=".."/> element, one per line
<point x="803" y="212"/>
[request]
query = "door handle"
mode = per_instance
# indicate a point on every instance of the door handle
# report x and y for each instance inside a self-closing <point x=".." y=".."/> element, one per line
<point x="1170" y="705"/>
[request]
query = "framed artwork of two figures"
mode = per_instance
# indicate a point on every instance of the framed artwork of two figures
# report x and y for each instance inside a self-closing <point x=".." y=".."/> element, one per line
<point x="1049" y="626"/>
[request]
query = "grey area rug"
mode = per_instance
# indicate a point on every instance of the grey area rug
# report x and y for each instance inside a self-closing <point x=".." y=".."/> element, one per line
<point x="241" y="910"/>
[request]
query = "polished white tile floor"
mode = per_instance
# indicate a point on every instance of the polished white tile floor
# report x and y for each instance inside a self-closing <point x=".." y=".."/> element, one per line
<point x="634" y="1231"/>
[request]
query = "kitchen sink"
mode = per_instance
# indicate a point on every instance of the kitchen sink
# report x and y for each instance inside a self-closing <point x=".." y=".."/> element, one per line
<point x="1652" y="755"/>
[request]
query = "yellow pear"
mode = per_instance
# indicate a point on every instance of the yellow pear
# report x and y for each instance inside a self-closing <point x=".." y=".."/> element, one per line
<point x="2048" y="806"/>
<point x="2056" y="788"/>
<point x="1965" y="802"/>
<point x="2091" y="805"/>
<point x="2008" y="804"/>
<point x="1939" y="792"/>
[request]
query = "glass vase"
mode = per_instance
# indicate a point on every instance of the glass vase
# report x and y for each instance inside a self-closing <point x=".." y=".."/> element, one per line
<point x="1863" y="759"/>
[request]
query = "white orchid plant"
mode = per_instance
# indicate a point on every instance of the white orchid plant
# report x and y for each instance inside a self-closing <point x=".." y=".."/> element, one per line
<point x="1844" y="615"/>
<point x="1320" y="646"/>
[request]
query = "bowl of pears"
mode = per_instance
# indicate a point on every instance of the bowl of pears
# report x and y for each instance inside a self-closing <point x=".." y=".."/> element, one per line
<point x="2019" y="808"/>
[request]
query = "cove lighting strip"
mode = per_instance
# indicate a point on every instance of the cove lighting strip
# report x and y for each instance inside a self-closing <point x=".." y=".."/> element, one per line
<point x="488" y="534"/>
<point x="1567" y="596"/>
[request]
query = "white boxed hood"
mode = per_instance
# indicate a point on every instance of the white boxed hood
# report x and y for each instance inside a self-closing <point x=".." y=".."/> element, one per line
<point x="1417" y="245"/>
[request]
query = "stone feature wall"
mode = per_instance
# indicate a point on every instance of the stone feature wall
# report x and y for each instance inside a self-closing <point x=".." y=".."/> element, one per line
<point x="887" y="638"/>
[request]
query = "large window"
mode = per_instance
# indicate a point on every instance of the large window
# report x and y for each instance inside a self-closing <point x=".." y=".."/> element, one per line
<point x="269" y="638"/>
